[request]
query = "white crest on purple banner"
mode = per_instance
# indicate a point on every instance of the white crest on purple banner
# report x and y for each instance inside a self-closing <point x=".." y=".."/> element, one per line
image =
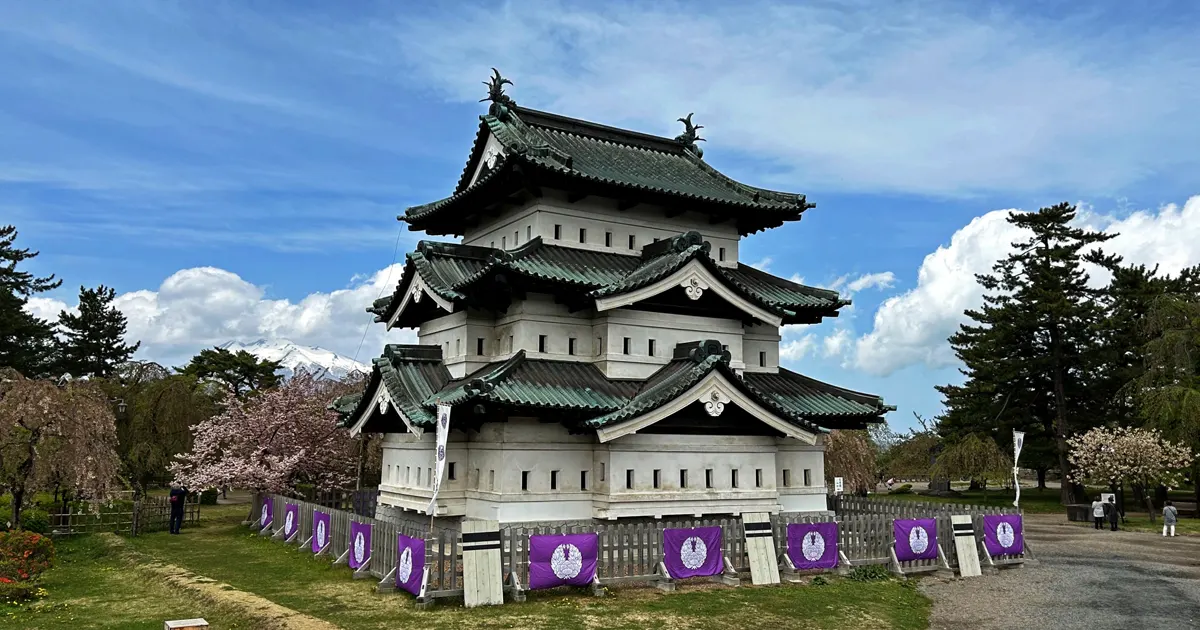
<point x="441" y="452"/>
<point x="694" y="552"/>
<point x="566" y="561"/>
<point x="405" y="570"/>
<point x="1005" y="535"/>
<point x="918" y="539"/>
<point x="288" y="521"/>
<point x="360" y="547"/>
<point x="813" y="546"/>
<point x="321" y="533"/>
<point x="262" y="520"/>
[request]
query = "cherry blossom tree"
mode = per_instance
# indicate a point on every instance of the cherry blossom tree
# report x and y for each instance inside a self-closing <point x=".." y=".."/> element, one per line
<point x="52" y="434"/>
<point x="1140" y="457"/>
<point x="271" y="442"/>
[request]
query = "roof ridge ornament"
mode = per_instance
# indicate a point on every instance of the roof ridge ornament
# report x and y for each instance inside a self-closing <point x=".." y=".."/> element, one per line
<point x="690" y="137"/>
<point x="502" y="103"/>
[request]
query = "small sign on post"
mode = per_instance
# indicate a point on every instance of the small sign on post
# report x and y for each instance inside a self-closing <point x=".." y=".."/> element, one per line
<point x="838" y="485"/>
<point x="185" y="624"/>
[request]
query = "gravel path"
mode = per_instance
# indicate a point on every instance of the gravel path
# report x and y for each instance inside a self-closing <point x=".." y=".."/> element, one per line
<point x="1083" y="579"/>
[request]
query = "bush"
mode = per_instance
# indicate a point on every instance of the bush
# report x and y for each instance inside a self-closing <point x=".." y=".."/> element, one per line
<point x="209" y="497"/>
<point x="819" y="581"/>
<point x="904" y="489"/>
<point x="24" y="556"/>
<point x="36" y="521"/>
<point x="16" y="592"/>
<point x="870" y="573"/>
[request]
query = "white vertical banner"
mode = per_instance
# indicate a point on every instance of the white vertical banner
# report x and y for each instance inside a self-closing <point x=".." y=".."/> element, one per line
<point x="1018" y="443"/>
<point x="439" y="455"/>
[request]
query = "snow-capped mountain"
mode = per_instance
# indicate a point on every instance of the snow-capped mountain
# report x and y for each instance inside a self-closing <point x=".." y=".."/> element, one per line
<point x="291" y="357"/>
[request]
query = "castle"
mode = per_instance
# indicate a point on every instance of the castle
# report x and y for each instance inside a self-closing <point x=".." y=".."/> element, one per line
<point x="604" y="353"/>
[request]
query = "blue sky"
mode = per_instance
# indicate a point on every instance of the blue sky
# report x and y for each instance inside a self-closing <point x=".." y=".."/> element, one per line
<point x="234" y="169"/>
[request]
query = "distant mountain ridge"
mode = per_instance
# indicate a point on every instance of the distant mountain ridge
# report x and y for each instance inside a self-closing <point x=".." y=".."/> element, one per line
<point x="319" y="362"/>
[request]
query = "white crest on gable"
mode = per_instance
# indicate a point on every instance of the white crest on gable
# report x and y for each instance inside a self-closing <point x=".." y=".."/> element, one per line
<point x="714" y="402"/>
<point x="694" y="287"/>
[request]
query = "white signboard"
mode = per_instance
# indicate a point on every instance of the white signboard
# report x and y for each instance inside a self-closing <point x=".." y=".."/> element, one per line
<point x="837" y="485"/>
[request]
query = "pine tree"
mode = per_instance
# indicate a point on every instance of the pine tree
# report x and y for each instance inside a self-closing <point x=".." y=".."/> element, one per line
<point x="93" y="341"/>
<point x="26" y="342"/>
<point x="242" y="373"/>
<point x="1032" y="353"/>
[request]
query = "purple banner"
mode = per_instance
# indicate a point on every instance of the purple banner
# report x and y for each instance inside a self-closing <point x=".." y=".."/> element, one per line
<point x="813" y="545"/>
<point x="1003" y="534"/>
<point x="916" y="539"/>
<point x="410" y="563"/>
<point x="562" y="559"/>
<point x="360" y="543"/>
<point x="320" y="530"/>
<point x="267" y="516"/>
<point x="693" y="552"/>
<point x="291" y="519"/>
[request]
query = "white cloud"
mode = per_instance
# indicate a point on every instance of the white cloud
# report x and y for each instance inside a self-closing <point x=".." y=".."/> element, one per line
<point x="204" y="306"/>
<point x="913" y="326"/>
<point x="763" y="264"/>
<point x="837" y="342"/>
<point x="883" y="280"/>
<point x="798" y="348"/>
<point x="925" y="98"/>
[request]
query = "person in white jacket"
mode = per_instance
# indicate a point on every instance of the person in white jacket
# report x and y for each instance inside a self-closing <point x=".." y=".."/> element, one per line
<point x="1098" y="513"/>
<point x="1170" y="516"/>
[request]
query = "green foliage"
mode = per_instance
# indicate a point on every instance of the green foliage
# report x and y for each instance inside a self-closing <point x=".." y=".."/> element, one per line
<point x="819" y="581"/>
<point x="24" y="555"/>
<point x="209" y="497"/>
<point x="26" y="342"/>
<point x="870" y="573"/>
<point x="973" y="457"/>
<point x="241" y="373"/>
<point x="93" y="340"/>
<point x="36" y="521"/>
<point x="904" y="489"/>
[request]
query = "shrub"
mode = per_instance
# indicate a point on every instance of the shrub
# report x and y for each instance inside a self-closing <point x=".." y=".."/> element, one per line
<point x="870" y="573"/>
<point x="36" y="521"/>
<point x="16" y="592"/>
<point x="209" y="497"/>
<point x="24" y="555"/>
<point x="904" y="489"/>
<point x="819" y="581"/>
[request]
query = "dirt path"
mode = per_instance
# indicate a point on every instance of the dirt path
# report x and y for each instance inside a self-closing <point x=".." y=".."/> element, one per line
<point x="266" y="614"/>
<point x="1084" y="579"/>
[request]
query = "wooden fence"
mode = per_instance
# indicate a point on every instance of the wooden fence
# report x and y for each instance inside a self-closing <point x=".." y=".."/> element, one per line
<point x="630" y="552"/>
<point x="149" y="514"/>
<point x="361" y="502"/>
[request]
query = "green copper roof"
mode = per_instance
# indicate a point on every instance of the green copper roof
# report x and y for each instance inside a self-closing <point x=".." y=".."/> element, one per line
<point x="628" y="164"/>
<point x="417" y="383"/>
<point x="455" y="272"/>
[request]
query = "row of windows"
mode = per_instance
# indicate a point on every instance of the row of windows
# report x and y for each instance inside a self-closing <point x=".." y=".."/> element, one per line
<point x="583" y="238"/>
<point x="573" y="346"/>
<point x="656" y="477"/>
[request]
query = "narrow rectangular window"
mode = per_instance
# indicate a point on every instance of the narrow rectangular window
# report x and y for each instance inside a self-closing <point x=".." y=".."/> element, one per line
<point x="541" y="343"/>
<point x="457" y="346"/>
<point x="757" y="477"/>
<point x="762" y="359"/>
<point x="683" y="479"/>
<point x="447" y="349"/>
<point x="657" y="478"/>
<point x="721" y="254"/>
<point x="418" y="475"/>
<point x="478" y="479"/>
<point x="492" y="244"/>
<point x="787" y="478"/>
<point x="632" y="242"/>
<point x="524" y="480"/>
<point x="389" y="472"/>
<point x="650" y="348"/>
<point x="554" y="480"/>
<point x="626" y="344"/>
<point x="733" y="480"/>
<point x="807" y="477"/>
<point x="599" y="345"/>
<point x="510" y="343"/>
<point x="557" y="232"/>
<point x="583" y="480"/>
<point x="450" y="471"/>
<point x="491" y="480"/>
<point x="407" y="475"/>
<point x="608" y="239"/>
<point x="429" y="477"/>
<point x="582" y="235"/>
<point x="516" y="235"/>
<point x="503" y="242"/>
<point x="601" y="471"/>
<point x="570" y="345"/>
<point x="528" y="232"/>
<point x="629" y="479"/>
<point x="708" y="478"/>
<point x="479" y="346"/>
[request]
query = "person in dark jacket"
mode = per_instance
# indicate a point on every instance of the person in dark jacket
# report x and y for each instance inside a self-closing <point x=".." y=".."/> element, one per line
<point x="1112" y="512"/>
<point x="178" y="496"/>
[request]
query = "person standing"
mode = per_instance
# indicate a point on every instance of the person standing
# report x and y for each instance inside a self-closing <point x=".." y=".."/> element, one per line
<point x="1113" y="513"/>
<point x="178" y="496"/>
<point x="1170" y="516"/>
<point x="1098" y="512"/>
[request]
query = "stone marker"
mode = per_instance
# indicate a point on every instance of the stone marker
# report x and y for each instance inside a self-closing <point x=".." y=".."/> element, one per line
<point x="184" y="624"/>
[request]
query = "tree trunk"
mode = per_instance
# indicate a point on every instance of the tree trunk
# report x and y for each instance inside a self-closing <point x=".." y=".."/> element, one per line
<point x="1196" y="486"/>
<point x="18" y="499"/>
<point x="1041" y="477"/>
<point x="1066" y="491"/>
<point x="975" y="485"/>
<point x="1147" y="500"/>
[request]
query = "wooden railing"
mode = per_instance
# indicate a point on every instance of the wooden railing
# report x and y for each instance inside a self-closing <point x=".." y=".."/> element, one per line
<point x="148" y="514"/>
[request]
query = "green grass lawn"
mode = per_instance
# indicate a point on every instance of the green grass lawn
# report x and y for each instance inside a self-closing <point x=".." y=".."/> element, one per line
<point x="104" y="581"/>
<point x="1033" y="501"/>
